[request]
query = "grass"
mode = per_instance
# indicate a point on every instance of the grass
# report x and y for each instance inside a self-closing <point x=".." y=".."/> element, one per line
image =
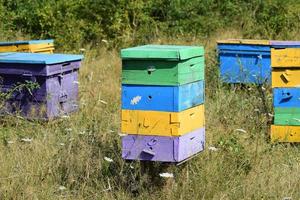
<point x="65" y="158"/>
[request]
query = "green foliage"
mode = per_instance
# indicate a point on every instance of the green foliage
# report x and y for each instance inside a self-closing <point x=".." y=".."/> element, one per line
<point x="76" y="23"/>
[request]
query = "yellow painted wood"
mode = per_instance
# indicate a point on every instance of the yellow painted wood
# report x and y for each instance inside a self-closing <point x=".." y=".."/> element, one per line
<point x="162" y="123"/>
<point x="244" y="41"/>
<point x="285" y="133"/>
<point x="289" y="57"/>
<point x="32" y="48"/>
<point x="8" y="49"/>
<point x="41" y="48"/>
<point x="286" y="77"/>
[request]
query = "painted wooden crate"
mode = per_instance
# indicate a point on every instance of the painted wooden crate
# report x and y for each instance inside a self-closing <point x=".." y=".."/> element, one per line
<point x="164" y="149"/>
<point x="162" y="98"/>
<point x="244" y="61"/>
<point x="32" y="46"/>
<point x="57" y="79"/>
<point x="286" y="103"/>
<point x="162" y="65"/>
<point x="285" y="133"/>
<point x="285" y="54"/>
<point x="285" y="77"/>
<point x="162" y="123"/>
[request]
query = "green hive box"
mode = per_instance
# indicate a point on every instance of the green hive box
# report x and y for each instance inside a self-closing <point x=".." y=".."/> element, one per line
<point x="162" y="65"/>
<point x="287" y="116"/>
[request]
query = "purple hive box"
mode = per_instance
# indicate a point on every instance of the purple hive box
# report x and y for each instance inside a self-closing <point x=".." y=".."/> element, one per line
<point x="163" y="149"/>
<point x="56" y="75"/>
<point x="290" y="44"/>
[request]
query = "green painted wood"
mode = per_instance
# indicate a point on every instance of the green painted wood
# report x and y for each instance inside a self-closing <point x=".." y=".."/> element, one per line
<point x="162" y="72"/>
<point x="165" y="52"/>
<point x="287" y="116"/>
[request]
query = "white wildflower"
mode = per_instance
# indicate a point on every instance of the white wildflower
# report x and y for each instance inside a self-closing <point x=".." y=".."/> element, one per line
<point x="241" y="130"/>
<point x="287" y="198"/>
<point x="81" y="133"/>
<point x="65" y="116"/>
<point x="105" y="41"/>
<point x="26" y="140"/>
<point x="101" y="101"/>
<point x="256" y="110"/>
<point x="108" y="159"/>
<point x="10" y="142"/>
<point x="166" y="175"/>
<point x="61" y="188"/>
<point x="212" y="148"/>
<point x="62" y="144"/>
<point x="270" y="114"/>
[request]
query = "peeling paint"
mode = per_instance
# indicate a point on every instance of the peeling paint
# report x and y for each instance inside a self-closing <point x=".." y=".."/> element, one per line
<point x="135" y="100"/>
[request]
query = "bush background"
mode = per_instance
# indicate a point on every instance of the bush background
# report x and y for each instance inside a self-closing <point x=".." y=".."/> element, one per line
<point x="65" y="158"/>
<point x="76" y="23"/>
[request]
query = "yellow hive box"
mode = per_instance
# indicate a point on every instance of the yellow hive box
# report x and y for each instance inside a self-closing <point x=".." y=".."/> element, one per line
<point x="286" y="77"/>
<point x="285" y="133"/>
<point x="289" y="57"/>
<point x="33" y="46"/>
<point x="244" y="41"/>
<point x="162" y="123"/>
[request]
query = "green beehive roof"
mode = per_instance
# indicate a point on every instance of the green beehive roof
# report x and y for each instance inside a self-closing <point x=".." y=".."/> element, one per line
<point x="169" y="52"/>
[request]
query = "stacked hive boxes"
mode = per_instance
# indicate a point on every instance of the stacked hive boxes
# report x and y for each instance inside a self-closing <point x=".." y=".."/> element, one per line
<point x="285" y="61"/>
<point x="162" y="102"/>
<point x="244" y="61"/>
<point x="55" y="76"/>
<point x="32" y="46"/>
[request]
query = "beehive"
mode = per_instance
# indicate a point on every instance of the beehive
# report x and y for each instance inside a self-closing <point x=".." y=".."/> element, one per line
<point x="285" y="60"/>
<point x="56" y="76"/>
<point x="244" y="61"/>
<point x="162" y="102"/>
<point x="31" y="46"/>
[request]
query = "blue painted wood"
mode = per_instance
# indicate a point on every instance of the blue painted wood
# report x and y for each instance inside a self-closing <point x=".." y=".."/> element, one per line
<point x="244" y="47"/>
<point x="162" y="98"/>
<point x="26" y="42"/>
<point x="240" y="63"/>
<point x="286" y="97"/>
<point x="38" y="58"/>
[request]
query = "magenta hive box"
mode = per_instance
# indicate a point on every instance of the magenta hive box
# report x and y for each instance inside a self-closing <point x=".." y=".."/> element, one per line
<point x="56" y="75"/>
<point x="164" y="149"/>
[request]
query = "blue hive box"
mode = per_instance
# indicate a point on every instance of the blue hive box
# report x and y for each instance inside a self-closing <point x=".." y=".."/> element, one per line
<point x="162" y="98"/>
<point x="245" y="61"/>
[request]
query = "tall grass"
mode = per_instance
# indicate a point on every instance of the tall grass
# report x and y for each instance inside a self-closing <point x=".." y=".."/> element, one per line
<point x="65" y="158"/>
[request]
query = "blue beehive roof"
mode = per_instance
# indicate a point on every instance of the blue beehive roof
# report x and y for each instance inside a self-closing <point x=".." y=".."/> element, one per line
<point x="26" y="42"/>
<point x="37" y="58"/>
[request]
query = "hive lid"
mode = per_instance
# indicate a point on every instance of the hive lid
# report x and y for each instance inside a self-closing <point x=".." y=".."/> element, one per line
<point x="26" y="42"/>
<point x="37" y="58"/>
<point x="170" y="52"/>
<point x="244" y="41"/>
<point x="285" y="43"/>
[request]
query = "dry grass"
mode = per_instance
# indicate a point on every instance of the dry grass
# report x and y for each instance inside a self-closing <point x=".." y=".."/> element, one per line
<point x="65" y="158"/>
